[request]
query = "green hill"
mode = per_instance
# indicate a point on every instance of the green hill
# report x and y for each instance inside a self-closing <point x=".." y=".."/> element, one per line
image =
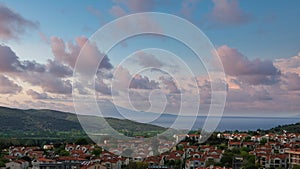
<point x="17" y="123"/>
<point x="291" y="128"/>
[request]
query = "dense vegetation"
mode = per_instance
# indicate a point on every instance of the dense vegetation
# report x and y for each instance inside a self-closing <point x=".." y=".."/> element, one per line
<point x="55" y="125"/>
<point x="291" y="128"/>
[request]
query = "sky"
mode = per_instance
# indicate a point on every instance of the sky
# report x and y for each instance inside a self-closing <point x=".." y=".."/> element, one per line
<point x="257" y="44"/>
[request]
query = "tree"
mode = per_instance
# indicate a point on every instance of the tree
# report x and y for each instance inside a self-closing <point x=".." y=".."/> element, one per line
<point x="209" y="162"/>
<point x="26" y="158"/>
<point x="222" y="146"/>
<point x="296" y="167"/>
<point x="249" y="161"/>
<point x="263" y="141"/>
<point x="97" y="152"/>
<point x="81" y="141"/>
<point x="179" y="147"/>
<point x="170" y="162"/>
<point x="137" y="165"/>
<point x="177" y="162"/>
<point x="246" y="149"/>
<point x="226" y="159"/>
<point x="235" y="151"/>
<point x="2" y="164"/>
<point x="64" y="153"/>
<point x="247" y="139"/>
<point x="251" y="166"/>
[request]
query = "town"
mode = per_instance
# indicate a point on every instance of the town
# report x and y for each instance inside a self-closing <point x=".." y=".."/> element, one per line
<point x="248" y="150"/>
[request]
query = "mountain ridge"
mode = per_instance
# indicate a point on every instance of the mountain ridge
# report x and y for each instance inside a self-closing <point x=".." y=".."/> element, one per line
<point x="34" y="122"/>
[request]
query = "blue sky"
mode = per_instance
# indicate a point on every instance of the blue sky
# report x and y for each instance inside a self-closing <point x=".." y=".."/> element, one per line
<point x="271" y="32"/>
<point x="258" y="43"/>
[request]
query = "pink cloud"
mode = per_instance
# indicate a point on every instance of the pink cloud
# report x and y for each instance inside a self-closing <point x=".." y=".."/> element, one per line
<point x="143" y="82"/>
<point x="47" y="81"/>
<point x="268" y="88"/>
<point x="169" y="84"/>
<point x="253" y="72"/>
<point x="8" y="86"/>
<point x="228" y="12"/>
<point x="68" y="53"/>
<point x="94" y="11"/>
<point x="12" y="24"/>
<point x="291" y="81"/>
<point x="49" y="77"/>
<point x="58" y="47"/>
<point x="188" y="7"/>
<point x="147" y="60"/>
<point x="9" y="62"/>
<point x="36" y="95"/>
<point x="291" y="64"/>
<point x="58" y="69"/>
<point x="44" y="38"/>
<point x="122" y="7"/>
<point x="117" y="11"/>
<point x="137" y="5"/>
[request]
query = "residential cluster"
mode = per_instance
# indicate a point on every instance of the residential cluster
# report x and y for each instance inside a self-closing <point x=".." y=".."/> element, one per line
<point x="223" y="151"/>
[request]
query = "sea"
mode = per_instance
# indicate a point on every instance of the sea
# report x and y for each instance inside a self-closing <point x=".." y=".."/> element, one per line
<point x="230" y="123"/>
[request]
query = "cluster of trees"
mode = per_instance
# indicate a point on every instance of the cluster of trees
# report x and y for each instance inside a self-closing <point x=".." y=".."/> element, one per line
<point x="2" y="160"/>
<point x="229" y="155"/>
<point x="45" y="134"/>
<point x="7" y="142"/>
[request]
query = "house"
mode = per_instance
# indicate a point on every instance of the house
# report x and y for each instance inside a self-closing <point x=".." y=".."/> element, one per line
<point x="48" y="147"/>
<point x="194" y="137"/>
<point x="17" y="164"/>
<point x="263" y="160"/>
<point x="256" y="138"/>
<point x="70" y="147"/>
<point x="278" y="161"/>
<point x="213" y="167"/>
<point x="227" y="136"/>
<point x="191" y="149"/>
<point x="44" y="163"/>
<point x="32" y="152"/>
<point x="71" y="162"/>
<point x="293" y="157"/>
<point x="264" y="150"/>
<point x="154" y="160"/>
<point x="250" y="145"/>
<point x="207" y="148"/>
<point x="173" y="158"/>
<point x="234" y="144"/>
<point x="215" y="158"/>
<point x="237" y="162"/>
<point x="194" y="154"/>
<point x="194" y="163"/>
<point x="35" y="154"/>
<point x="179" y="137"/>
<point x="162" y="149"/>
<point x="112" y="163"/>
<point x="91" y="165"/>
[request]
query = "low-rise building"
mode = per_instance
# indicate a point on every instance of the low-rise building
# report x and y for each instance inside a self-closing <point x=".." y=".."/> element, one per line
<point x="17" y="164"/>
<point x="293" y="158"/>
